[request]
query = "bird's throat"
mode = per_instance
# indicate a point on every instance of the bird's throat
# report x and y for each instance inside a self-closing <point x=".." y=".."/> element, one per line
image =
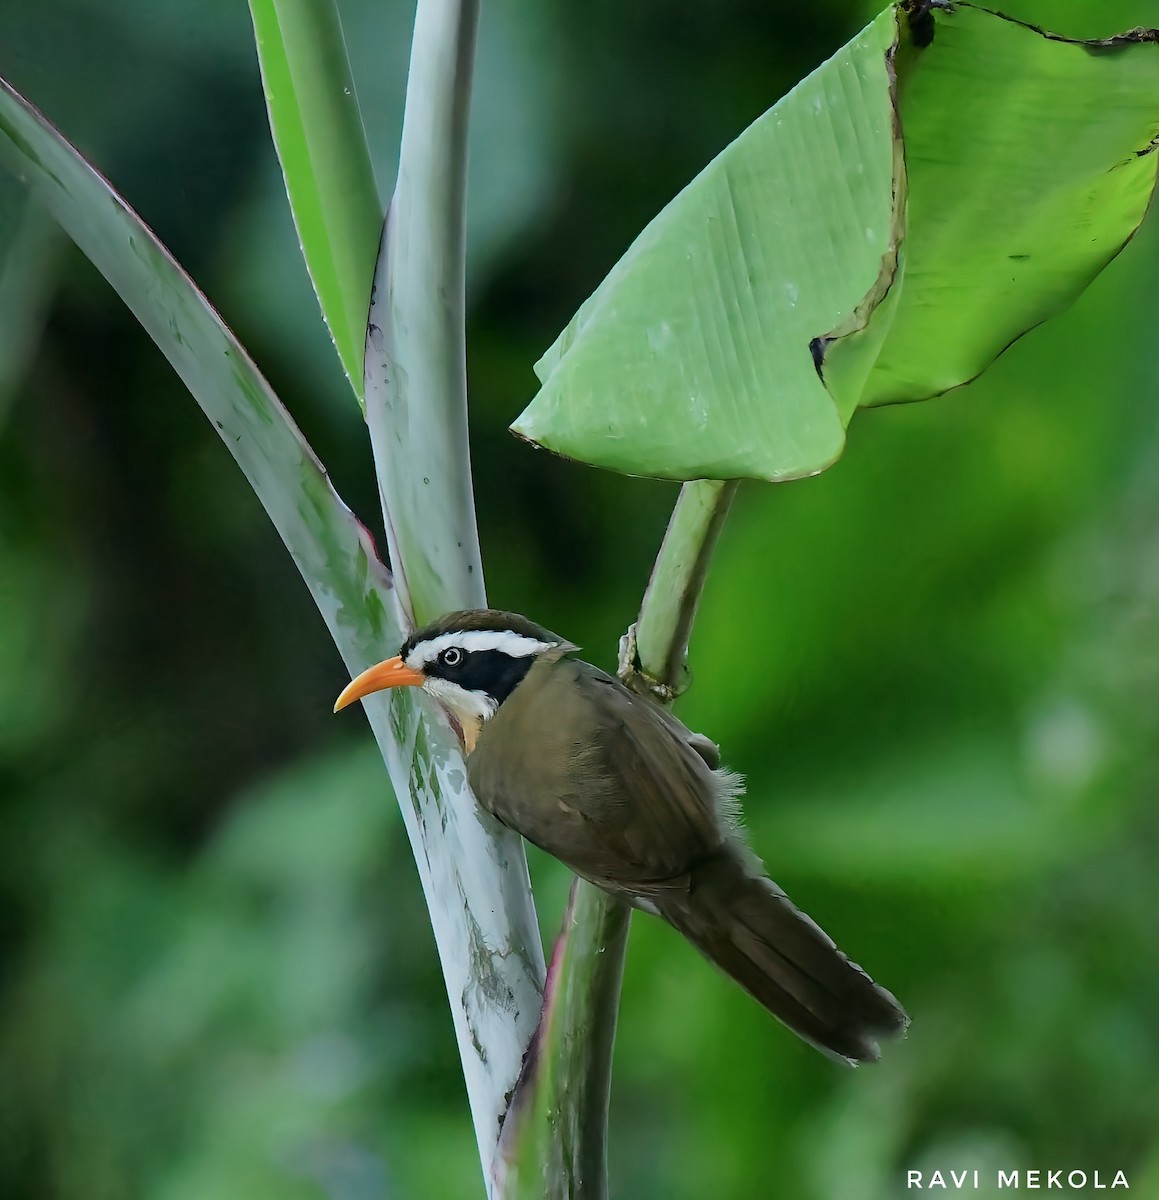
<point x="469" y="730"/>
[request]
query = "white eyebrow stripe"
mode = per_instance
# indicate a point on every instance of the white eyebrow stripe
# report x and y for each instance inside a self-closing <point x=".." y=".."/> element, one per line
<point x="514" y="645"/>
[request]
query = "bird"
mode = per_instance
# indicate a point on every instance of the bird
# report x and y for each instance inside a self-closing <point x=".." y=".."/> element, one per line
<point x="624" y="794"/>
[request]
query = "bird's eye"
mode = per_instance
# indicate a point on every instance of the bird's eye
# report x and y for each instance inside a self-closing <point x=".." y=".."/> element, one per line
<point x="452" y="656"/>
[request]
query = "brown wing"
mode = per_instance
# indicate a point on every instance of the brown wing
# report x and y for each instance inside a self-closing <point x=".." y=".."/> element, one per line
<point x="600" y="778"/>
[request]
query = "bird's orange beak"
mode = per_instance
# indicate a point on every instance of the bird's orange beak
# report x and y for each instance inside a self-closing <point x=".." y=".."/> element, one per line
<point x="390" y="674"/>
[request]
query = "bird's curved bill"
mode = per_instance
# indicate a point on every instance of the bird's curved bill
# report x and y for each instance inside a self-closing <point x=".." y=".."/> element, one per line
<point x="390" y="674"/>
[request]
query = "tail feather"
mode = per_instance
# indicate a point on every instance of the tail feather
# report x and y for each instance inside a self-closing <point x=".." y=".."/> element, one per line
<point x="747" y="926"/>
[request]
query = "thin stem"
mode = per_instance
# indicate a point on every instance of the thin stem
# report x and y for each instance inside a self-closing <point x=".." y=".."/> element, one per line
<point x="670" y="603"/>
<point x="551" y="1147"/>
<point x="593" y="973"/>
<point x="599" y="943"/>
<point x="554" y="1143"/>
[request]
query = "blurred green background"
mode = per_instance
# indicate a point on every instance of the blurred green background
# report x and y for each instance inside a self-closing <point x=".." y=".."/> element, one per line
<point x="937" y="664"/>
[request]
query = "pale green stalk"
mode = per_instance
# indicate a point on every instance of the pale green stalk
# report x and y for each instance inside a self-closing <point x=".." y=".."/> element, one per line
<point x="416" y="372"/>
<point x="416" y="408"/>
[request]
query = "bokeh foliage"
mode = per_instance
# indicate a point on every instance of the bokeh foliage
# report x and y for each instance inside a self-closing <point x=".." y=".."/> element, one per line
<point x="938" y="664"/>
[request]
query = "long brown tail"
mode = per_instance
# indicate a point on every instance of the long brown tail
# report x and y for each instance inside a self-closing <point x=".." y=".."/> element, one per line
<point x="751" y="930"/>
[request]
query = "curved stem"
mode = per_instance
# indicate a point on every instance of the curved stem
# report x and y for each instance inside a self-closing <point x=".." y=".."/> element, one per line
<point x="554" y="1141"/>
<point x="673" y="595"/>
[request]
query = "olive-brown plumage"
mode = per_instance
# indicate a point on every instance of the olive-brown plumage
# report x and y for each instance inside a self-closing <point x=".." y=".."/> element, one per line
<point x="619" y="790"/>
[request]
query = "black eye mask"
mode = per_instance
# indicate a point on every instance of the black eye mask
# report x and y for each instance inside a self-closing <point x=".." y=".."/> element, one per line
<point x="489" y="671"/>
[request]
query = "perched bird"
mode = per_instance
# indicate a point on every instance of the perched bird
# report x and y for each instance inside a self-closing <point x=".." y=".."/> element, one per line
<point x="620" y="791"/>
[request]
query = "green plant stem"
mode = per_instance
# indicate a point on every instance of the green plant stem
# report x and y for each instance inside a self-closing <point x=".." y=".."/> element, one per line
<point x="409" y="365"/>
<point x="670" y="602"/>
<point x="599" y="947"/>
<point x="416" y="410"/>
<point x="597" y="943"/>
<point x="550" y="1147"/>
<point x="416" y="372"/>
<point x="600" y="922"/>
<point x="589" y="987"/>
<point x="555" y="1142"/>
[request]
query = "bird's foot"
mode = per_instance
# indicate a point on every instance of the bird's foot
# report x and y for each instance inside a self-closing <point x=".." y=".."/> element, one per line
<point x="635" y="678"/>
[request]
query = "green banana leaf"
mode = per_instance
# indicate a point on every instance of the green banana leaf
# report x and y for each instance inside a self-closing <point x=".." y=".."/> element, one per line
<point x="923" y="199"/>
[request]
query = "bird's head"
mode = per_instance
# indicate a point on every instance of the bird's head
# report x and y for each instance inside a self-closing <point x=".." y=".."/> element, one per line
<point x="471" y="661"/>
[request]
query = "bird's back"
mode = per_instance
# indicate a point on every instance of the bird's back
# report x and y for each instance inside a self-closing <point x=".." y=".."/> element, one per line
<point x="611" y="785"/>
<point x="605" y="783"/>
